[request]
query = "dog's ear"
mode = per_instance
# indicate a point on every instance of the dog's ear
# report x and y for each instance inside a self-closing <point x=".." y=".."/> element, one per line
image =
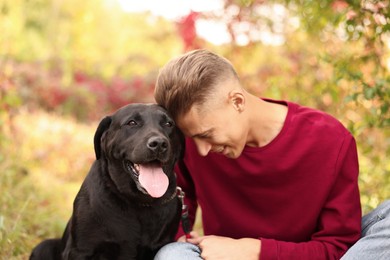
<point x="103" y="126"/>
<point x="180" y="144"/>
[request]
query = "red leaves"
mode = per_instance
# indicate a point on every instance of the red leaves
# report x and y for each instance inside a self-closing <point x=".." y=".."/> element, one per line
<point x="187" y="31"/>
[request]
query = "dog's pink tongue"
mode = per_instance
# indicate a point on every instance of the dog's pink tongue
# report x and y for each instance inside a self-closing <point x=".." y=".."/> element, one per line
<point x="154" y="180"/>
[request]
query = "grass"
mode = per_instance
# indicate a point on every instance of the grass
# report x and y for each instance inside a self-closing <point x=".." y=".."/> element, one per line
<point x="43" y="160"/>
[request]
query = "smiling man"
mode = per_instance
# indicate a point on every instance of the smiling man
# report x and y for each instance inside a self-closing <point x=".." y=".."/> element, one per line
<point x="275" y="180"/>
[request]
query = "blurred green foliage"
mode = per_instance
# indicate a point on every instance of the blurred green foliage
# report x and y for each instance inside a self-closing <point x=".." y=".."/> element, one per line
<point x="78" y="60"/>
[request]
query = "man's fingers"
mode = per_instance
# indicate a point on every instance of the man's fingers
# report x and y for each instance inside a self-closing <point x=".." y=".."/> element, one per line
<point x="195" y="240"/>
<point x="194" y="234"/>
<point x="182" y="239"/>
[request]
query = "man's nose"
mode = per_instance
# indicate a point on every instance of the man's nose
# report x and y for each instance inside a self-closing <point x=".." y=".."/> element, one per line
<point x="203" y="147"/>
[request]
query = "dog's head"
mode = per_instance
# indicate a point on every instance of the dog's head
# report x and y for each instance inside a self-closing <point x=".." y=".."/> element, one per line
<point x="141" y="144"/>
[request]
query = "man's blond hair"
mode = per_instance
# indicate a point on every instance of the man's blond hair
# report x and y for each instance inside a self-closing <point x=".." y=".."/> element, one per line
<point x="190" y="79"/>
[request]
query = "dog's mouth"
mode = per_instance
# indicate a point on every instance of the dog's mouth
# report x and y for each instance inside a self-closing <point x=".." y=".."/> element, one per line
<point x="149" y="177"/>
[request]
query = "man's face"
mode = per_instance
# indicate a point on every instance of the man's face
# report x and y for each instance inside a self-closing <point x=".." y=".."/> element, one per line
<point x="218" y="128"/>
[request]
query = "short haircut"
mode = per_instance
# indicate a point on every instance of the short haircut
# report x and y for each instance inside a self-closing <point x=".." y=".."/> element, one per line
<point x="189" y="79"/>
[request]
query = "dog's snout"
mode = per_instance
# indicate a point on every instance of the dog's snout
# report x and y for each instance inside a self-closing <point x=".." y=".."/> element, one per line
<point x="157" y="144"/>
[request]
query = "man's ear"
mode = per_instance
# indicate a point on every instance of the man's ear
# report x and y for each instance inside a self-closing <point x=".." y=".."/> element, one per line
<point x="103" y="126"/>
<point x="237" y="99"/>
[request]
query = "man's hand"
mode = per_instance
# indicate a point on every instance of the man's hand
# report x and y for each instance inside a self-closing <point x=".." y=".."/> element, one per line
<point x="224" y="248"/>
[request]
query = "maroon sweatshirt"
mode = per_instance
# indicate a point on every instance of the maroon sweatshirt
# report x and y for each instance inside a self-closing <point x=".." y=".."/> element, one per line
<point x="299" y="194"/>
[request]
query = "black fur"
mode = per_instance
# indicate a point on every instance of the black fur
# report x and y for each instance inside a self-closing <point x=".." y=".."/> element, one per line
<point x="113" y="217"/>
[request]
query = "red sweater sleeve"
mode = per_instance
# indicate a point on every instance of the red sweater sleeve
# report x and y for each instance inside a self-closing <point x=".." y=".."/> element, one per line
<point x="339" y="220"/>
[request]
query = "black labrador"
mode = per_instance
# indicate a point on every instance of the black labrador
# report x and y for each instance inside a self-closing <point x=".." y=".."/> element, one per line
<point x="127" y="207"/>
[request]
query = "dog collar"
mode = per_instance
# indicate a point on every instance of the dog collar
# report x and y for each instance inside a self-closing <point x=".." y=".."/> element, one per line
<point x="165" y="201"/>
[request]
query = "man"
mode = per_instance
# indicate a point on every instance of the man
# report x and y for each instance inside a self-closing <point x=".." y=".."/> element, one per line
<point x="275" y="180"/>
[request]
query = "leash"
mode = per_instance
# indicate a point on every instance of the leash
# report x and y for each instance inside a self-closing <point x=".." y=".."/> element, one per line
<point x="185" y="222"/>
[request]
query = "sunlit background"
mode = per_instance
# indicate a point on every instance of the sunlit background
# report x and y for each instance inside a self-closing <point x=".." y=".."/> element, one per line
<point x="64" y="64"/>
<point x="217" y="31"/>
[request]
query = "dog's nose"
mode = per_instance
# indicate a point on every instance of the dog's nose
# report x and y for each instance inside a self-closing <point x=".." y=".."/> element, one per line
<point x="157" y="144"/>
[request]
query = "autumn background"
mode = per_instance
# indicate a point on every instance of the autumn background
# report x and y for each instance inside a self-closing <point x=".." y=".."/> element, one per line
<point x="66" y="64"/>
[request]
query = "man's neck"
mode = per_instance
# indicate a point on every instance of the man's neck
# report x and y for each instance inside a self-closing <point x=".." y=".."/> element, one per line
<point x="266" y="121"/>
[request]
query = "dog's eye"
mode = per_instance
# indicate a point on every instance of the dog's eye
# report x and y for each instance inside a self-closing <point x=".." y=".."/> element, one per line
<point x="132" y="123"/>
<point x="168" y="124"/>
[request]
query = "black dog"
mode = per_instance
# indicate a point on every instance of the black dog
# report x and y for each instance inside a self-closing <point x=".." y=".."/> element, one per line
<point x="127" y="206"/>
